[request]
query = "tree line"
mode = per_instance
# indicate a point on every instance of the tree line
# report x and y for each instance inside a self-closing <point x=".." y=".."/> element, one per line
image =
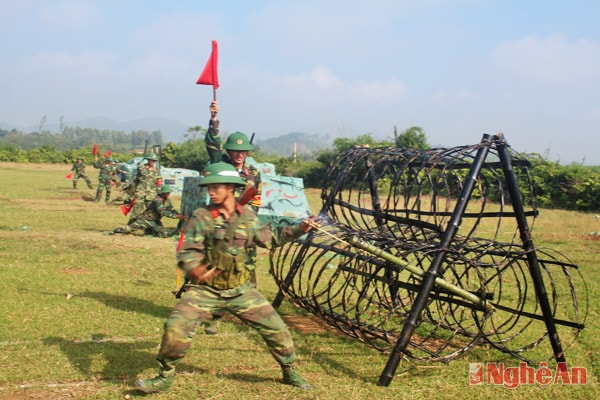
<point x="571" y="187"/>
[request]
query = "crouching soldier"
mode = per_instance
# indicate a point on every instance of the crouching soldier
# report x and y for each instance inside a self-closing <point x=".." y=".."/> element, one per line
<point x="150" y="219"/>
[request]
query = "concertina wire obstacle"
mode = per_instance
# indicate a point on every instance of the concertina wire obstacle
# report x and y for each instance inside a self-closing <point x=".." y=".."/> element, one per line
<point x="425" y="254"/>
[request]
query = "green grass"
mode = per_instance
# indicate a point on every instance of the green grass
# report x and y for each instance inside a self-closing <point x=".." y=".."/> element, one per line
<point x="81" y="313"/>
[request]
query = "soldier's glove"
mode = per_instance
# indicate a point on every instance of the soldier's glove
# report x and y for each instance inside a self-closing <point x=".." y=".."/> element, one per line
<point x="183" y="217"/>
<point x="202" y="273"/>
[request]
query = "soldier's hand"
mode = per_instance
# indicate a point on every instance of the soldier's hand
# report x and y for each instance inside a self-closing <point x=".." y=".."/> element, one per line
<point x="183" y="217"/>
<point x="314" y="221"/>
<point x="202" y="273"/>
<point x="214" y="109"/>
<point x="251" y="179"/>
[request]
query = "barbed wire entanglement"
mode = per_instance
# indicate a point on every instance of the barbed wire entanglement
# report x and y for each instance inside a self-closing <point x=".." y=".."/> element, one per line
<point x="428" y="253"/>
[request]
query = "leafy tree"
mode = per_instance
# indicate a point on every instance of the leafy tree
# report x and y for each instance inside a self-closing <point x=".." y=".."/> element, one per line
<point x="192" y="153"/>
<point x="169" y="155"/>
<point x="412" y="138"/>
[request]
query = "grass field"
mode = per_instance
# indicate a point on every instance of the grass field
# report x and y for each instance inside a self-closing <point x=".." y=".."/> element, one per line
<point x="81" y="313"/>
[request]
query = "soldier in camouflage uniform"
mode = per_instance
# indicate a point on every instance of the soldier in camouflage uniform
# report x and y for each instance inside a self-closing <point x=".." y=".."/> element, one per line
<point x="107" y="170"/>
<point x="213" y="257"/>
<point x="236" y="148"/>
<point x="79" y="172"/>
<point x="127" y="187"/>
<point x="150" y="219"/>
<point x="147" y="181"/>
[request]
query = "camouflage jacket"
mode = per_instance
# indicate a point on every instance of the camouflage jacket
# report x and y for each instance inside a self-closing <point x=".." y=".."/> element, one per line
<point x="211" y="239"/>
<point x="159" y="208"/>
<point x="214" y="147"/>
<point x="146" y="182"/>
<point x="79" y="169"/>
<point x="106" y="171"/>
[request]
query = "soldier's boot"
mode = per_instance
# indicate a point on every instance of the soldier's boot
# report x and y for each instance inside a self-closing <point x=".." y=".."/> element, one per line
<point x="157" y="384"/>
<point x="291" y="377"/>
<point x="122" y="229"/>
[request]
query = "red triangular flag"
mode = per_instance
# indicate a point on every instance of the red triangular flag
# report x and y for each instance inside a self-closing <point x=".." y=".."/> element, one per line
<point x="69" y="175"/>
<point x="210" y="75"/>
<point x="95" y="149"/>
<point x="109" y="152"/>
<point x="125" y="209"/>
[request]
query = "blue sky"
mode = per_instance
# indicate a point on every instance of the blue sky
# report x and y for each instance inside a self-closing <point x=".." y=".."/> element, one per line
<point x="458" y="69"/>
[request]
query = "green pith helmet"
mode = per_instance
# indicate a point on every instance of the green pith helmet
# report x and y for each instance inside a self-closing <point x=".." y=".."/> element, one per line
<point x="238" y="141"/>
<point x="221" y="172"/>
<point x="151" y="156"/>
<point x="165" y="189"/>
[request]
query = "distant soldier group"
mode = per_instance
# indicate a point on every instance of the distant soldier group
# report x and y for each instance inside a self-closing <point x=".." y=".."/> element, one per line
<point x="143" y="191"/>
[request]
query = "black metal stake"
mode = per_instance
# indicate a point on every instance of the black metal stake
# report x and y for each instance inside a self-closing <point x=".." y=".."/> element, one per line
<point x="532" y="260"/>
<point x="429" y="278"/>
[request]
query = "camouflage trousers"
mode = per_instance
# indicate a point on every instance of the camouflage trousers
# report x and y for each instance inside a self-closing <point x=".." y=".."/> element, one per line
<point x="101" y="186"/>
<point x="149" y="226"/>
<point x="84" y="177"/>
<point x="198" y="304"/>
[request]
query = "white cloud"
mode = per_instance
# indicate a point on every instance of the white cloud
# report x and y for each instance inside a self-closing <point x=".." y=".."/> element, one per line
<point x="552" y="59"/>
<point x="323" y="78"/>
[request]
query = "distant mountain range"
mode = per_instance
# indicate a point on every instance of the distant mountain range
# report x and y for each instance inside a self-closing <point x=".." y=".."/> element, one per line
<point x="174" y="131"/>
<point x="301" y="143"/>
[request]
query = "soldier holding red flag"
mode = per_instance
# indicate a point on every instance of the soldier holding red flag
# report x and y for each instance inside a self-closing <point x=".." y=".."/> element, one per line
<point x="78" y="171"/>
<point x="107" y="170"/>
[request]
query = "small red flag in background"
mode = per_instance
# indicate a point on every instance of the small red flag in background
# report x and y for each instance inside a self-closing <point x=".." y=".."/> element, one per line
<point x="95" y="150"/>
<point x="210" y="75"/>
<point x="125" y="209"/>
<point x="69" y="175"/>
<point x="109" y="152"/>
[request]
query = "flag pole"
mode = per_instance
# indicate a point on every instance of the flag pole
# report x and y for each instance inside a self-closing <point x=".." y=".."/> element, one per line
<point x="210" y="73"/>
<point x="215" y="72"/>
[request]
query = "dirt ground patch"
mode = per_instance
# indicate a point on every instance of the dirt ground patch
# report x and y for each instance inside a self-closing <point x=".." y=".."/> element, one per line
<point x="308" y="324"/>
<point x="55" y="391"/>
